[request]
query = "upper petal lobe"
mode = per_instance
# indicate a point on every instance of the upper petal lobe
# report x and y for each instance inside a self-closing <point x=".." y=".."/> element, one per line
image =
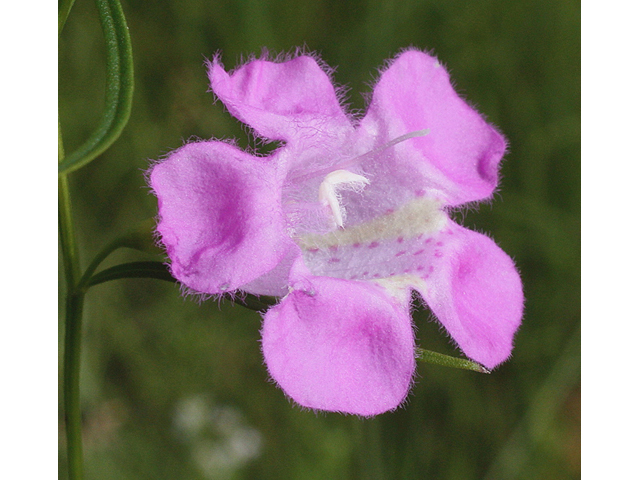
<point x="281" y="101"/>
<point x="460" y="155"/>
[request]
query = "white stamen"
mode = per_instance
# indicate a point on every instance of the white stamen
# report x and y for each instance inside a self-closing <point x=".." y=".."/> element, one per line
<point x="328" y="195"/>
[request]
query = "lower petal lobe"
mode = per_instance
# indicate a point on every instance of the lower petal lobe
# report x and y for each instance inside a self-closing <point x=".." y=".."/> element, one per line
<point x="340" y="346"/>
<point x="476" y="293"/>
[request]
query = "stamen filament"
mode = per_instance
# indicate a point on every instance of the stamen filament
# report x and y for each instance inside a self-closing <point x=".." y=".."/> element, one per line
<point x="352" y="161"/>
<point x="389" y="144"/>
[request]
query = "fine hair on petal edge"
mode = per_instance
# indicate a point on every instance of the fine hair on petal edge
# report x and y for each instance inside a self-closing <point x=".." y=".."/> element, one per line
<point x="341" y="91"/>
<point x="199" y="297"/>
<point x="317" y="411"/>
<point x="461" y="94"/>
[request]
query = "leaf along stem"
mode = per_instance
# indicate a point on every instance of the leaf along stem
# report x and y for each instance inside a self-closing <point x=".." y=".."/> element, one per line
<point x="72" y="408"/>
<point x="119" y="89"/>
<point x="138" y="238"/>
<point x="446" y="361"/>
<point x="159" y="271"/>
<point x="155" y="270"/>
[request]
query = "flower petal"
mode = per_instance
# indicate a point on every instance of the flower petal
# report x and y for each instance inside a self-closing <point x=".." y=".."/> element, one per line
<point x="340" y="346"/>
<point x="476" y="293"/>
<point x="281" y="101"/>
<point x="461" y="153"/>
<point x="275" y="282"/>
<point x="220" y="216"/>
<point x="399" y="243"/>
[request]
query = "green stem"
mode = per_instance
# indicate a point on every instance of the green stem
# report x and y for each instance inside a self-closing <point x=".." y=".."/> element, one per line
<point x="68" y="245"/>
<point x="73" y="325"/>
<point x="65" y="223"/>
<point x="73" y="411"/>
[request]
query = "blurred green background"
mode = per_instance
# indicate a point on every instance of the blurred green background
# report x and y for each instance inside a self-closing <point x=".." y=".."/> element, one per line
<point x="173" y="388"/>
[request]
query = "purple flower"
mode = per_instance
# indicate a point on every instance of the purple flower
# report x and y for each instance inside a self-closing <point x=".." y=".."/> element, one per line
<point x="344" y="221"/>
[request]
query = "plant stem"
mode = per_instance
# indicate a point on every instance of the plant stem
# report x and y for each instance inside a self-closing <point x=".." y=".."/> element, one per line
<point x="67" y="238"/>
<point x="73" y="325"/>
<point x="73" y="415"/>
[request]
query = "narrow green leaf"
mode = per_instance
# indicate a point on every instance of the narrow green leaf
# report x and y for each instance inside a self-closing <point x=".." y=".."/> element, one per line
<point x="159" y="271"/>
<point x="119" y="90"/>
<point x="138" y="238"/>
<point x="155" y="270"/>
<point x="71" y="384"/>
<point x="446" y="361"/>
<point x="253" y="302"/>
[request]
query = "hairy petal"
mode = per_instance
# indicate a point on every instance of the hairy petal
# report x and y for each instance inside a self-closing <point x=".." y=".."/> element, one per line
<point x="340" y="346"/>
<point x="281" y="101"/>
<point x="476" y="293"/>
<point x="220" y="216"/>
<point x="460" y="156"/>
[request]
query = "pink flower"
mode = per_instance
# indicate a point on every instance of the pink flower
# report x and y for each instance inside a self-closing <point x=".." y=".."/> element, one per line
<point x="344" y="221"/>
